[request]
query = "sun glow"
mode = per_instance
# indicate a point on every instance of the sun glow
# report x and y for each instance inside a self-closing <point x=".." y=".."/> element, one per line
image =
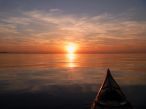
<point x="71" y="48"/>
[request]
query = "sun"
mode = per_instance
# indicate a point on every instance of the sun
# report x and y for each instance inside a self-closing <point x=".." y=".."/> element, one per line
<point x="71" y="48"/>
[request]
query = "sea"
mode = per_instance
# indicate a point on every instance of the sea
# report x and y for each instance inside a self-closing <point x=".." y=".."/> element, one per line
<point x="68" y="81"/>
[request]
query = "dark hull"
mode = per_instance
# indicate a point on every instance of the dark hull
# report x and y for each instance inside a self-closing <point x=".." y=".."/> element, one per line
<point x="110" y="95"/>
<point x="99" y="106"/>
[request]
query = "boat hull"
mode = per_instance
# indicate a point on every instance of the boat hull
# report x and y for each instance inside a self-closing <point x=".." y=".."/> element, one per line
<point x="110" y="95"/>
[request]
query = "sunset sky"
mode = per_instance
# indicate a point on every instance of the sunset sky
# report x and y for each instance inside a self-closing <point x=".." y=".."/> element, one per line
<point x="95" y="26"/>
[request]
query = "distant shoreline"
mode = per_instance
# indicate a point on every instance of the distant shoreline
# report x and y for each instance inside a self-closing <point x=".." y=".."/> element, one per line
<point x="74" y="53"/>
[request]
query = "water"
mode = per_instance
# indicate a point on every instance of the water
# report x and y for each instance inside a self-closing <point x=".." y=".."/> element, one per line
<point x="67" y="81"/>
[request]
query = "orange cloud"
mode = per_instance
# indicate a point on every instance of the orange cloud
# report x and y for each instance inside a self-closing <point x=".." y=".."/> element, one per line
<point x="48" y="30"/>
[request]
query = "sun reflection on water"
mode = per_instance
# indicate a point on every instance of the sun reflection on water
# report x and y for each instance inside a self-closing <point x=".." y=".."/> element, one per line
<point x="71" y="60"/>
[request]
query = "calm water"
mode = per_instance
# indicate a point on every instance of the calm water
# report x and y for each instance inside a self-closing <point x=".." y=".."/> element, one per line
<point x="52" y="81"/>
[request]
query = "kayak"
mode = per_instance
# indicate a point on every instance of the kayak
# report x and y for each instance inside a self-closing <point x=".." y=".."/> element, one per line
<point x="110" y="95"/>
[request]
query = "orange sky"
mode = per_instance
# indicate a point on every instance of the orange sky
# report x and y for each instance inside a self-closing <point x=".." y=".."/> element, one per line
<point x="120" y="28"/>
<point x="82" y="48"/>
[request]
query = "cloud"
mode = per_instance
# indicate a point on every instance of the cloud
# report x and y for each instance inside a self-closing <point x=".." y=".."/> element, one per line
<point x="55" y="26"/>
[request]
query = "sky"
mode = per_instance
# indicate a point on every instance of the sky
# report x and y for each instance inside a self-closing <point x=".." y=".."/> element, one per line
<point x="96" y="26"/>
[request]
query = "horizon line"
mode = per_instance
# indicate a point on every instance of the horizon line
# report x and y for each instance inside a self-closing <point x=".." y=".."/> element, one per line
<point x="72" y="53"/>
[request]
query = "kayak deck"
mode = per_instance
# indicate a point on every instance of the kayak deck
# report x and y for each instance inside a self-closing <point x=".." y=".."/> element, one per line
<point x="110" y="95"/>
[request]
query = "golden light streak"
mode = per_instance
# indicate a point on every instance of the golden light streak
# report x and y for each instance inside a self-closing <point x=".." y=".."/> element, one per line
<point x="71" y="60"/>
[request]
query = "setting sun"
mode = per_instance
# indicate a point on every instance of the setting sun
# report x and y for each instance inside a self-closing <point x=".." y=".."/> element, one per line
<point x="71" y="48"/>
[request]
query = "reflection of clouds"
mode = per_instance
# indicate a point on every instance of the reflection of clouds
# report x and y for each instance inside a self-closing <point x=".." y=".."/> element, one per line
<point x="40" y="79"/>
<point x="36" y="80"/>
<point x="58" y="69"/>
